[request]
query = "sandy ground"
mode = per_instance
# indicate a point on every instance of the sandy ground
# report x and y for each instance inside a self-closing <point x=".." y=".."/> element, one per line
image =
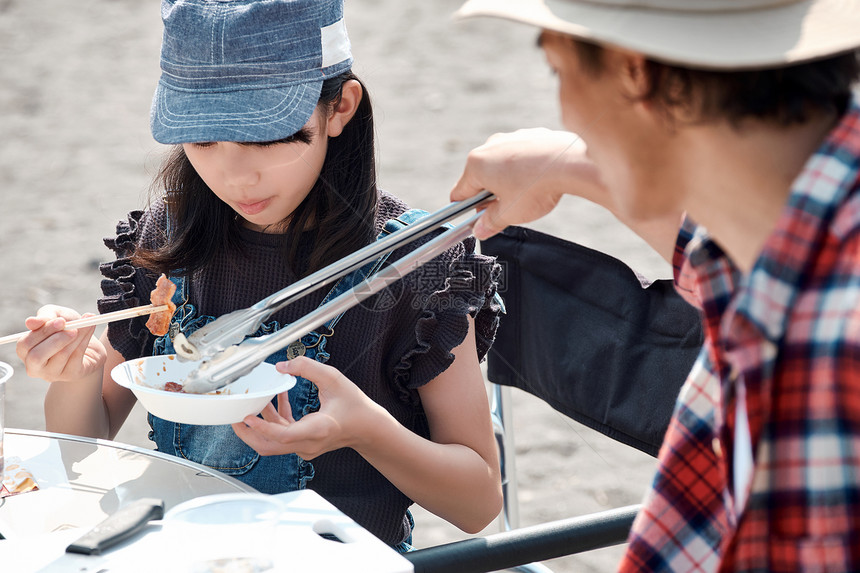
<point x="76" y="80"/>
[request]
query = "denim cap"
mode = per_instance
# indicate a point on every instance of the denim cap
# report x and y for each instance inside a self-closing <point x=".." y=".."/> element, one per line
<point x="245" y="70"/>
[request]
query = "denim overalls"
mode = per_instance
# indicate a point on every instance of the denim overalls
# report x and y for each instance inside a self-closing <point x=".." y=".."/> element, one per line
<point x="218" y="446"/>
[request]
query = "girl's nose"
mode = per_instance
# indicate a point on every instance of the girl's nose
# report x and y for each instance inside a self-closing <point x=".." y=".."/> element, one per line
<point x="238" y="166"/>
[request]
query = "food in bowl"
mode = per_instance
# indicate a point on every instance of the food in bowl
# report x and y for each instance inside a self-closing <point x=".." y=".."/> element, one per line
<point x="147" y="378"/>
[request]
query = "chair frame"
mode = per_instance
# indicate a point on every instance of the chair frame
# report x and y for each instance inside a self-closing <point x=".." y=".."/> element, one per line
<point x="649" y="335"/>
<point x="516" y="548"/>
<point x="502" y="417"/>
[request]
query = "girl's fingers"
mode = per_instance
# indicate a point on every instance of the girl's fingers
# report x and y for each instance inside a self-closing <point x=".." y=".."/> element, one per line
<point x="67" y="355"/>
<point x="268" y="413"/>
<point x="273" y="416"/>
<point x="49" y="320"/>
<point x="284" y="408"/>
<point x="37" y="349"/>
<point x="306" y="438"/>
<point x="247" y="432"/>
<point x="320" y="374"/>
<point x="37" y="322"/>
<point x="76" y="358"/>
<point x="266" y="438"/>
<point x="50" y="311"/>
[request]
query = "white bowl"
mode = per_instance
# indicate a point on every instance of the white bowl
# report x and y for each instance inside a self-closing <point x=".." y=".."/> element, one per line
<point x="248" y="395"/>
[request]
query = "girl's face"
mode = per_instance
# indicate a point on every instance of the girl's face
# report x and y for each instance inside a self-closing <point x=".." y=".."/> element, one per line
<point x="263" y="182"/>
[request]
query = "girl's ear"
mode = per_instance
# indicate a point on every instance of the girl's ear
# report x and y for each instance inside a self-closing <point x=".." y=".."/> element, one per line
<point x="350" y="97"/>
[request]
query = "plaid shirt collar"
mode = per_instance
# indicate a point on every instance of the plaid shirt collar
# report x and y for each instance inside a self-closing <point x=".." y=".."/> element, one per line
<point x="768" y="294"/>
<point x="765" y="296"/>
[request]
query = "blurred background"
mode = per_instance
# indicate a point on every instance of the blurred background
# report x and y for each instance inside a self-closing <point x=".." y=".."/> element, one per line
<point x="76" y="80"/>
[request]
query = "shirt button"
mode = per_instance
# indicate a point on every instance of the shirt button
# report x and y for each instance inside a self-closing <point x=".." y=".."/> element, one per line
<point x="717" y="446"/>
<point x="734" y="373"/>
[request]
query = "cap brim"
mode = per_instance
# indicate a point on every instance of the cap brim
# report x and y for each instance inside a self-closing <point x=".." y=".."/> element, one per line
<point x="771" y="37"/>
<point x="268" y="114"/>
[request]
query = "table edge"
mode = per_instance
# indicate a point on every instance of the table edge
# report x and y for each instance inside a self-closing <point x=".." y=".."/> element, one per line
<point x="136" y="449"/>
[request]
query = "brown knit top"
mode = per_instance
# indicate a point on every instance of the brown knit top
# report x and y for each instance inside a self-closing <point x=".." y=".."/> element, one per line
<point x="388" y="348"/>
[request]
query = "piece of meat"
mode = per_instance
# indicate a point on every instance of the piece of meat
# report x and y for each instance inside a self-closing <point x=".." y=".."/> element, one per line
<point x="159" y="322"/>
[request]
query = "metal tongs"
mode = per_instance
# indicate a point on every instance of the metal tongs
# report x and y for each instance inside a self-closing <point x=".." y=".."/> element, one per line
<point x="227" y="354"/>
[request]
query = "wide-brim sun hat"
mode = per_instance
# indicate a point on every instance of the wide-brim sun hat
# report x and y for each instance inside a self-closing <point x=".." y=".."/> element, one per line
<point x="245" y="70"/>
<point x="706" y="34"/>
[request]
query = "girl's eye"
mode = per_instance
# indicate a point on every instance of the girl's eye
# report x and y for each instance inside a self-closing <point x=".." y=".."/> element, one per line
<point x="301" y="136"/>
<point x="271" y="143"/>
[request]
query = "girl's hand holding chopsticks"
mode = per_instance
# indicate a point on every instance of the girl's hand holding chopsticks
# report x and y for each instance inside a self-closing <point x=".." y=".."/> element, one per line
<point x="53" y="351"/>
<point x="93" y="320"/>
<point x="60" y="344"/>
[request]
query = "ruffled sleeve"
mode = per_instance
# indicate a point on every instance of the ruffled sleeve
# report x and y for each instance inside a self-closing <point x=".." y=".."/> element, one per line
<point x="126" y="286"/>
<point x="441" y="295"/>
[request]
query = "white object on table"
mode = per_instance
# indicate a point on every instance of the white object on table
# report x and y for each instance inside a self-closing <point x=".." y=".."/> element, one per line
<point x="298" y="546"/>
<point x="81" y="481"/>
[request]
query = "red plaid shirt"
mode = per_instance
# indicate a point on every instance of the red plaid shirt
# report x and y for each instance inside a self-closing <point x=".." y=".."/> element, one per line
<point x="787" y="337"/>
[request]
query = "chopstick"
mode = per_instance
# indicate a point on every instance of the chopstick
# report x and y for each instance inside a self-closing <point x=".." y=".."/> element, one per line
<point x="95" y="320"/>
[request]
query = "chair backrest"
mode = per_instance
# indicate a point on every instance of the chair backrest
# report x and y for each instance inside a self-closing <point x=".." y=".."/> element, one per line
<point x="583" y="334"/>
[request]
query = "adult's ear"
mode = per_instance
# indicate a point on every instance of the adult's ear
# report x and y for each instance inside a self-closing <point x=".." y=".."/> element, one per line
<point x="675" y="103"/>
<point x="350" y="97"/>
<point x="635" y="80"/>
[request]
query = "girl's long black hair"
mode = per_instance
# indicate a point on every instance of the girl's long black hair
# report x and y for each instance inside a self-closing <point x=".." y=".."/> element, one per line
<point x="339" y="212"/>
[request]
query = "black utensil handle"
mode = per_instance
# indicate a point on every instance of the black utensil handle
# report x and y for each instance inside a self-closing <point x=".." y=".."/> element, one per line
<point x="125" y="522"/>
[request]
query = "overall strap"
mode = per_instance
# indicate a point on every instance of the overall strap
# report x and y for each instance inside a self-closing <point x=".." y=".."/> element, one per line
<point x="178" y="275"/>
<point x="183" y="313"/>
<point x="404" y="219"/>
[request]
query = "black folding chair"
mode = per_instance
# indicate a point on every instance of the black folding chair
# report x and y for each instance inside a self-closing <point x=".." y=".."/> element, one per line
<point x="582" y="333"/>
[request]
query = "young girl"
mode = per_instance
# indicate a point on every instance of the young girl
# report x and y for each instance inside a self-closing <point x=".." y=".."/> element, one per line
<point x="272" y="177"/>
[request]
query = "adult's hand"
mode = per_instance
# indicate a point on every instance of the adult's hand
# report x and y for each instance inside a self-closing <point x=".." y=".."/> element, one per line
<point x="528" y="171"/>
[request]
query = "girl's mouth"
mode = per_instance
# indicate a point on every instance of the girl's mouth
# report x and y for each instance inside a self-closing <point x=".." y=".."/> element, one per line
<point x="253" y="208"/>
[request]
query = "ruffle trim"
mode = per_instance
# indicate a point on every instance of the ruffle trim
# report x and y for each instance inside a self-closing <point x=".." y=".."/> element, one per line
<point x="129" y="337"/>
<point x="470" y="290"/>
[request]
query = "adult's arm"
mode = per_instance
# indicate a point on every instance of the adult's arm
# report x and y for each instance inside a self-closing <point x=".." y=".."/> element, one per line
<point x="530" y="170"/>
